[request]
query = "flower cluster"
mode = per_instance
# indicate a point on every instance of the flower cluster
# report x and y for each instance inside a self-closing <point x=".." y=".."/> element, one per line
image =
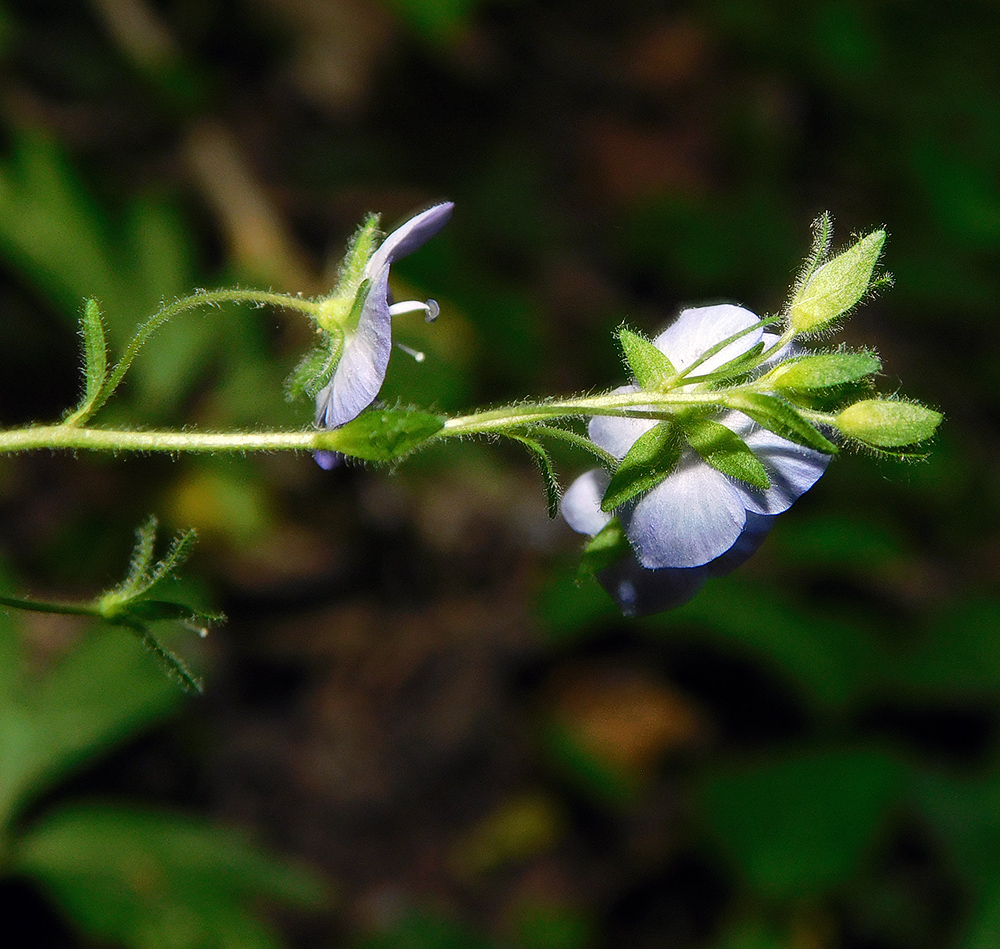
<point x="697" y="521"/>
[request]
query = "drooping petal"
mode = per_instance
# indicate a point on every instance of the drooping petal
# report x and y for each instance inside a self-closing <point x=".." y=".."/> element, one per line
<point x="690" y="518"/>
<point x="408" y="237"/>
<point x="754" y="532"/>
<point x="581" y="504"/>
<point x="640" y="592"/>
<point x="793" y="470"/>
<point x="698" y="329"/>
<point x="617" y="435"/>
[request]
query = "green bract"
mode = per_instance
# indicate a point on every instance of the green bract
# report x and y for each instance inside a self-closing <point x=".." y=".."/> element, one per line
<point x="836" y="286"/>
<point x="650" y="366"/>
<point x="335" y="309"/>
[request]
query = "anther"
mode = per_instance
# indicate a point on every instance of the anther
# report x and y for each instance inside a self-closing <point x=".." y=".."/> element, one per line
<point x="430" y="308"/>
<point x="415" y="353"/>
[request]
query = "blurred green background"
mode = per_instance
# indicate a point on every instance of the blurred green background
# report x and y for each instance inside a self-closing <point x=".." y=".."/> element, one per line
<point x="447" y="741"/>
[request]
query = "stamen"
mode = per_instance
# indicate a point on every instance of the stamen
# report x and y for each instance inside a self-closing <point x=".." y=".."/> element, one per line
<point x="430" y="308"/>
<point x="415" y="353"/>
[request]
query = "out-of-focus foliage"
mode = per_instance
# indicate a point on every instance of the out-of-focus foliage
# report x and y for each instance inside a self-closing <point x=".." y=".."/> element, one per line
<point x="413" y="691"/>
<point x="137" y="877"/>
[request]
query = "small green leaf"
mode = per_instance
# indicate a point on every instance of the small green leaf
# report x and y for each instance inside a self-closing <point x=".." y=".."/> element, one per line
<point x="835" y="286"/>
<point x="777" y="416"/>
<point x="725" y="451"/>
<point x="888" y="423"/>
<point x="95" y="350"/>
<point x="604" y="549"/>
<point x="382" y="434"/>
<point x="823" y="370"/>
<point x="648" y="365"/>
<point x="552" y="491"/>
<point x="653" y="456"/>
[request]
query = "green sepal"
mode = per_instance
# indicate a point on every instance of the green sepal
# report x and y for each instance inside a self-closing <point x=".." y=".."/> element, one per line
<point x="552" y="490"/>
<point x="316" y="368"/>
<point x="823" y="370"/>
<point x="725" y="451"/>
<point x="653" y="456"/>
<point x="382" y="434"/>
<point x="738" y="365"/>
<point x="835" y="286"/>
<point x="888" y="423"/>
<point x="604" y="549"/>
<point x="649" y="367"/>
<point x="776" y="415"/>
<point x="339" y="307"/>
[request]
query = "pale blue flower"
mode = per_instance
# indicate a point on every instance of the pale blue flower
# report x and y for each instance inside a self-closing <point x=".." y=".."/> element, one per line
<point x="697" y="522"/>
<point x="365" y="349"/>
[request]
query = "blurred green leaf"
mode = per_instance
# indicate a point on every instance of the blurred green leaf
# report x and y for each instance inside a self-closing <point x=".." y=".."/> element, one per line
<point x="100" y="693"/>
<point x="964" y="812"/>
<point x="424" y="930"/>
<point x="160" y="881"/>
<point x="834" y="660"/>
<point x="553" y="926"/>
<point x="801" y="825"/>
<point x="959" y="652"/>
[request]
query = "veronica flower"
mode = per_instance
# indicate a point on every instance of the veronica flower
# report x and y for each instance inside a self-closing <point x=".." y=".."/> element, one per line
<point x="697" y="522"/>
<point x="365" y="327"/>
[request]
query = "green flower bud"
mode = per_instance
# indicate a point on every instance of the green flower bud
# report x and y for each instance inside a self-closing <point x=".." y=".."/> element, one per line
<point x="887" y="423"/>
<point x="822" y="371"/>
<point x="835" y="286"/>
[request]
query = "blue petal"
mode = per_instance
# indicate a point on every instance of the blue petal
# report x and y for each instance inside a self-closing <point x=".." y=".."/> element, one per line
<point x="690" y="518"/>
<point x="698" y="329"/>
<point x="581" y="504"/>
<point x="409" y="236"/>
<point x="641" y="592"/>
<point x="793" y="470"/>
<point x="363" y="361"/>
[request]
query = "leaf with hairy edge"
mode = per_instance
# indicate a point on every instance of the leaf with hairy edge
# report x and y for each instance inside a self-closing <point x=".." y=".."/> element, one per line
<point x="95" y="350"/>
<point x="779" y="417"/>
<point x="823" y="370"/>
<point x="653" y="456"/>
<point x="382" y="434"/>
<point x="648" y="365"/>
<point x="725" y="451"/>
<point x="552" y="491"/>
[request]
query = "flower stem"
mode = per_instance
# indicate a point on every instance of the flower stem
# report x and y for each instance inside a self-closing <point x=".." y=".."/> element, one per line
<point x="102" y="439"/>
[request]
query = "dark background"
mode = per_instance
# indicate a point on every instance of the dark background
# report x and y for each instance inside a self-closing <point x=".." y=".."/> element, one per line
<point x="411" y="694"/>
